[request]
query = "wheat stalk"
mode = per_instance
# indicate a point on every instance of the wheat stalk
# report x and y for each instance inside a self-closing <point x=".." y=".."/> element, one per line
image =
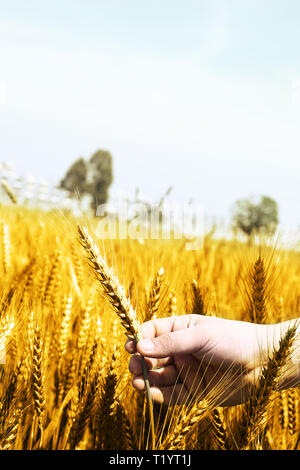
<point x="9" y="191"/>
<point x="121" y="304"/>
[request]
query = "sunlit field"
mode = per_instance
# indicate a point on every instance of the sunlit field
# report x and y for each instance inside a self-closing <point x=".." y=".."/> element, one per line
<point x="64" y="380"/>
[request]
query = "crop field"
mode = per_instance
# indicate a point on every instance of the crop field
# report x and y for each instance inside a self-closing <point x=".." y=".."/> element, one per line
<point x="64" y="378"/>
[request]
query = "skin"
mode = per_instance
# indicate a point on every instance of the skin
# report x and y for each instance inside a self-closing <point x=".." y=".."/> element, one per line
<point x="188" y="356"/>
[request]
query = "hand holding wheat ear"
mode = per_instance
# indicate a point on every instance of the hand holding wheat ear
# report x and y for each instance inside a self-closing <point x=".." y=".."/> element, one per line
<point x="191" y="355"/>
<point x="119" y="301"/>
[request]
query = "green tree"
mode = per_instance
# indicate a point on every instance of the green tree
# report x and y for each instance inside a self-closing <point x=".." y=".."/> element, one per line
<point x="92" y="177"/>
<point x="99" y="177"/>
<point x="75" y="178"/>
<point x="252" y="217"/>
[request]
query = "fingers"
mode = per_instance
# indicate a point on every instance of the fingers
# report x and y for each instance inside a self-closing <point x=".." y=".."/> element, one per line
<point x="174" y="395"/>
<point x="135" y="364"/>
<point x="163" y="391"/>
<point x="184" y="375"/>
<point x="213" y="339"/>
<point x="187" y="341"/>
<point x="162" y="377"/>
<point x="160" y="326"/>
<point x="130" y="346"/>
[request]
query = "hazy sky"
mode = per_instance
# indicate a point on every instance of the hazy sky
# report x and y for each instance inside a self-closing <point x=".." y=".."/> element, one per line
<point x="201" y="95"/>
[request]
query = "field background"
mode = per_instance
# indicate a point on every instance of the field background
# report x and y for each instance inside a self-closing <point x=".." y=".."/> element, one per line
<point x="65" y="382"/>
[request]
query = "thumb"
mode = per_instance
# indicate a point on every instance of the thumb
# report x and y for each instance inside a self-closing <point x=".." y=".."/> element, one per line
<point x="185" y="341"/>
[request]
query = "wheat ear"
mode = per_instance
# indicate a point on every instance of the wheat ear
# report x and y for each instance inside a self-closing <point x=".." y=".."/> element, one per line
<point x="172" y="304"/>
<point x="53" y="280"/>
<point x="106" y="421"/>
<point x="111" y="286"/>
<point x="219" y="431"/>
<point x="185" y="425"/>
<point x="292" y="411"/>
<point x="82" y="419"/>
<point x="154" y="296"/>
<point x="10" y="434"/>
<point x="6" y="248"/>
<point x="38" y="381"/>
<point x="258" y="303"/>
<point x="259" y="399"/>
<point x="198" y="302"/>
<point x="120" y="303"/>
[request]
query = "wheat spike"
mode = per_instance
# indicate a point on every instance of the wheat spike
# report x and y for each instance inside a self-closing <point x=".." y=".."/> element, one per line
<point x="86" y="374"/>
<point x="85" y="322"/>
<point x="258" y="302"/>
<point x="10" y="433"/>
<point x="63" y="336"/>
<point x="172" y="304"/>
<point x="82" y="419"/>
<point x="111" y="286"/>
<point x="198" y="301"/>
<point x="77" y="265"/>
<point x="259" y="399"/>
<point x="124" y="435"/>
<point x="292" y="403"/>
<point x="154" y="295"/>
<point x="121" y="304"/>
<point x="6" y="248"/>
<point x="105" y="414"/>
<point x="219" y="431"/>
<point x="38" y="377"/>
<point x="53" y="280"/>
<point x="185" y="425"/>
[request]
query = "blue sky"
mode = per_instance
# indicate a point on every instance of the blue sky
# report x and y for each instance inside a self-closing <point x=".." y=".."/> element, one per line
<point x="198" y="95"/>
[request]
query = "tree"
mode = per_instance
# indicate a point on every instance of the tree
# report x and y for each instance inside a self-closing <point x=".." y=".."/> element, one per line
<point x="252" y="216"/>
<point x="92" y="177"/>
<point x="75" y="178"/>
<point x="99" y="177"/>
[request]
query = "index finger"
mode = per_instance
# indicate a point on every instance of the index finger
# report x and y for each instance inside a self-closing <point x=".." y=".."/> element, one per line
<point x="160" y="326"/>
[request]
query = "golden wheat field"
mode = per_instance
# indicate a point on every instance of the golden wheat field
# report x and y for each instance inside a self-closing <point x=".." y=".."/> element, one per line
<point x="65" y="384"/>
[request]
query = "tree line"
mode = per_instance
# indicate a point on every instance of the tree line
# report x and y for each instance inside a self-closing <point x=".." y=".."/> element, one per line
<point x="93" y="177"/>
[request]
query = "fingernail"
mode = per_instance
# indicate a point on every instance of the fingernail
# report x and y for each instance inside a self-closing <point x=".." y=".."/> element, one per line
<point x="146" y="345"/>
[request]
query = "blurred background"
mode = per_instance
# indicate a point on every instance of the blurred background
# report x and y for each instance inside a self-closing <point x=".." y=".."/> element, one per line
<point x="196" y="101"/>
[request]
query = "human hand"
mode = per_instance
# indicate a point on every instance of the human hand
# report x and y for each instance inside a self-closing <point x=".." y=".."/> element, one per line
<point x="189" y="356"/>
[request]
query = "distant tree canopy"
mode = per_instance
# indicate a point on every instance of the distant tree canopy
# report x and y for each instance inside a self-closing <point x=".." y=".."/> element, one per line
<point x="75" y="178"/>
<point x="92" y="177"/>
<point x="252" y="216"/>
